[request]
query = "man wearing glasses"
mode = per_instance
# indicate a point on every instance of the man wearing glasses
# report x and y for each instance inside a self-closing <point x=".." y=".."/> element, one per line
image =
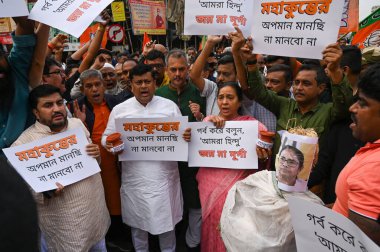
<point x="156" y="60"/>
<point x="54" y="74"/>
<point x="290" y="164"/>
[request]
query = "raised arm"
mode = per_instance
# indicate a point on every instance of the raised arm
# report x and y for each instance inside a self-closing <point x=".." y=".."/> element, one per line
<point x="38" y="60"/>
<point x="341" y="90"/>
<point x="24" y="26"/>
<point x="196" y="71"/>
<point x="238" y="42"/>
<point x="57" y="43"/>
<point x="77" y="55"/>
<point x="95" y="44"/>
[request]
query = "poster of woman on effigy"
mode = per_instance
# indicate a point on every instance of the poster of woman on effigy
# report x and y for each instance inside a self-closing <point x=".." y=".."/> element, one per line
<point x="294" y="161"/>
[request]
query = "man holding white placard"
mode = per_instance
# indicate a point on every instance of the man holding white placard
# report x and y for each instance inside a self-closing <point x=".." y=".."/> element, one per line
<point x="151" y="195"/>
<point x="306" y="110"/>
<point x="68" y="218"/>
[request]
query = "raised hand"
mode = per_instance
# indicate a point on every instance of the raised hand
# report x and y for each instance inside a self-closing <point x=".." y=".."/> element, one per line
<point x="79" y="113"/>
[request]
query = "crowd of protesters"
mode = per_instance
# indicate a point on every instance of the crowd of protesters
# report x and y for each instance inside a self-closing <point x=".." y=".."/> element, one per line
<point x="43" y="92"/>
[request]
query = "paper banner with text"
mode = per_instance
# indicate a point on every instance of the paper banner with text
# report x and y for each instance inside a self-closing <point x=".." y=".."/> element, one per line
<point x="153" y="138"/>
<point x="148" y="16"/>
<point x="295" y="28"/>
<point x="70" y="16"/>
<point x="318" y="228"/>
<point x="58" y="158"/>
<point x="13" y="8"/>
<point x="233" y="146"/>
<point x="217" y="17"/>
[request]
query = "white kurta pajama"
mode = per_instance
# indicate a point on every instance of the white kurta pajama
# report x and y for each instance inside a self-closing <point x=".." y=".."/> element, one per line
<point x="78" y="218"/>
<point x="150" y="191"/>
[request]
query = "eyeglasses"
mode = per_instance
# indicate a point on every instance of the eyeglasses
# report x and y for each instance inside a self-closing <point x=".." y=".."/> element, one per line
<point x="60" y="72"/>
<point x="290" y="162"/>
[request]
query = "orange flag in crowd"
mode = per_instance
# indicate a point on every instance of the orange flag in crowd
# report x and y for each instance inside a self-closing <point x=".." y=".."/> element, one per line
<point x="369" y="31"/>
<point x="146" y="39"/>
<point x="89" y="33"/>
<point x="350" y="17"/>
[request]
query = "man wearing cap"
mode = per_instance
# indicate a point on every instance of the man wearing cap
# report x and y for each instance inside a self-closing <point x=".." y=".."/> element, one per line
<point x="110" y="79"/>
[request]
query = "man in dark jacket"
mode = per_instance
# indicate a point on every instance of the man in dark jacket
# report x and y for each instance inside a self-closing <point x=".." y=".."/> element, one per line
<point x="94" y="109"/>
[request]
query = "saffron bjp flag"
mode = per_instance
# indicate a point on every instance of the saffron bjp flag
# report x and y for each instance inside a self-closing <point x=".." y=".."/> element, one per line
<point x="369" y="31"/>
<point x="89" y="34"/>
<point x="146" y="40"/>
<point x="350" y="17"/>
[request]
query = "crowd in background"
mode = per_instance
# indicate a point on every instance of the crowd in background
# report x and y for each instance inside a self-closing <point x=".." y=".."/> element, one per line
<point x="44" y="91"/>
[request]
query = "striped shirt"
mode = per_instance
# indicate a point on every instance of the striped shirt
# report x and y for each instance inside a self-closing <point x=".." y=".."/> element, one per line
<point x="78" y="218"/>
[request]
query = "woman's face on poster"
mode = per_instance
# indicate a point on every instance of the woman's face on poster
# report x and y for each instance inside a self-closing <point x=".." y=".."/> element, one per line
<point x="289" y="167"/>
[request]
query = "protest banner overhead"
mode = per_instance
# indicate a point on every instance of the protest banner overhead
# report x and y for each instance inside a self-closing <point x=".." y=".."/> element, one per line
<point x="217" y="17"/>
<point x="158" y="139"/>
<point x="58" y="158"/>
<point x="13" y="8"/>
<point x="295" y="28"/>
<point x="70" y="16"/>
<point x="233" y="146"/>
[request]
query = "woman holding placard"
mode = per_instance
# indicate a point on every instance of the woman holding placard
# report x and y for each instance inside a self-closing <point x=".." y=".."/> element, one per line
<point x="214" y="183"/>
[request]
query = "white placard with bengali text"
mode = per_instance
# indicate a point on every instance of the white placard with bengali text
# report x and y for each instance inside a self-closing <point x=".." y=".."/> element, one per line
<point x="158" y="139"/>
<point x="58" y="158"/>
<point x="217" y="17"/>
<point x="318" y="228"/>
<point x="13" y="8"/>
<point x="70" y="16"/>
<point x="295" y="28"/>
<point x="233" y="146"/>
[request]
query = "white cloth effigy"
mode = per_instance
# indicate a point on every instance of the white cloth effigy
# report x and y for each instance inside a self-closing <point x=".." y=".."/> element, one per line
<point x="256" y="215"/>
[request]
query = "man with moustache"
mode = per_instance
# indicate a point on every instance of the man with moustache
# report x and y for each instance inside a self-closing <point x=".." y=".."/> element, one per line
<point x="279" y="79"/>
<point x="306" y="110"/>
<point x="94" y="109"/>
<point x="54" y="74"/>
<point x="189" y="101"/>
<point x="76" y="218"/>
<point x="156" y="60"/>
<point x="150" y="190"/>
<point x="357" y="188"/>
<point x="109" y="79"/>
<point x="127" y="66"/>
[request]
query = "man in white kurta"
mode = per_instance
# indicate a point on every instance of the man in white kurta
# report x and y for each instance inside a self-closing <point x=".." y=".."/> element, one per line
<point x="151" y="195"/>
<point x="76" y="219"/>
